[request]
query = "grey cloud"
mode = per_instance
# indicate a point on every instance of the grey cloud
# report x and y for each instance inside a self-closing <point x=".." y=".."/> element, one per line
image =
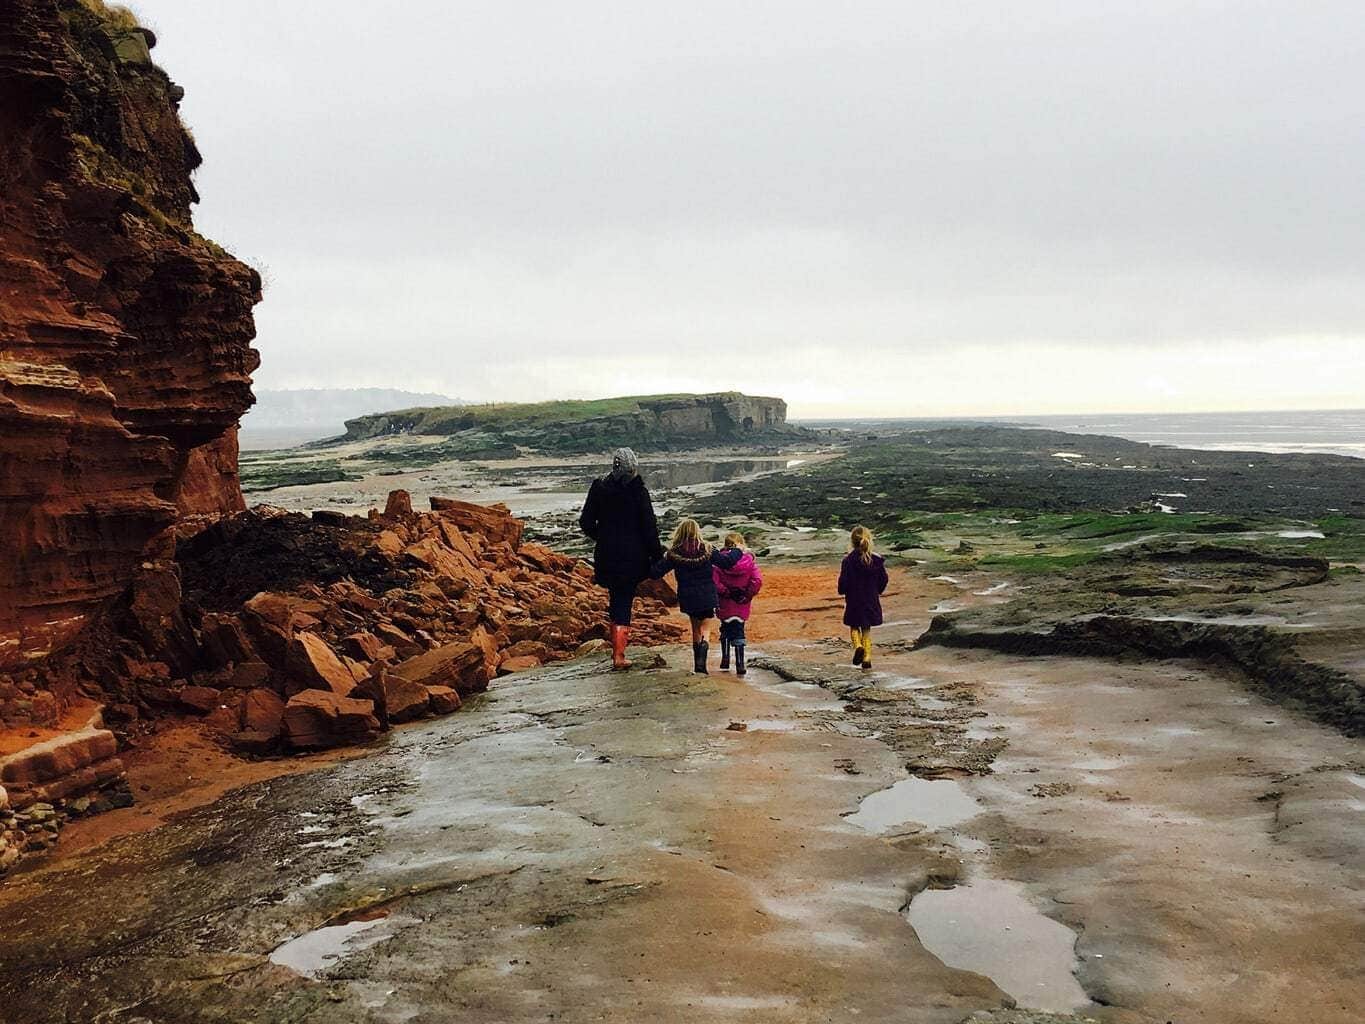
<point x="898" y="174"/>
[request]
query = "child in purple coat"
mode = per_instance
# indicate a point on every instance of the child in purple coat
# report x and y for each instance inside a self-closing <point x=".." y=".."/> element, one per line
<point x="736" y="587"/>
<point x="862" y="578"/>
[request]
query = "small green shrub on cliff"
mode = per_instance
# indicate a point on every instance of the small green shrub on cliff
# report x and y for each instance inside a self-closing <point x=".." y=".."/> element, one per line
<point x="116" y="15"/>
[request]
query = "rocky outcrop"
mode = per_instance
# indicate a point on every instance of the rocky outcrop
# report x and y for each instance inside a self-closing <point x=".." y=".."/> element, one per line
<point x="649" y="423"/>
<point x="125" y="337"/>
<point x="208" y="482"/>
<point x="286" y="631"/>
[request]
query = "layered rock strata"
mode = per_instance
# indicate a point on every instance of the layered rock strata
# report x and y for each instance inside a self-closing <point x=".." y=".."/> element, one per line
<point x="125" y="337"/>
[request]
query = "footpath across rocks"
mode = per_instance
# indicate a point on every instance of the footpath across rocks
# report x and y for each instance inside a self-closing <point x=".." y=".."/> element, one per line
<point x="278" y="633"/>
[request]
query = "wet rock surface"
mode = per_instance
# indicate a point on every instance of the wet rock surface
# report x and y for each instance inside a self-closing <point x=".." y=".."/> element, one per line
<point x="600" y="845"/>
<point x="583" y="843"/>
<point x="928" y="723"/>
<point x="1280" y="623"/>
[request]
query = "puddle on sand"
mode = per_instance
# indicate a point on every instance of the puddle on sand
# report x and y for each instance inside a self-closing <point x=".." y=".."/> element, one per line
<point x="664" y="476"/>
<point x="988" y="927"/>
<point x="934" y="803"/>
<point x="788" y="689"/>
<point x="313" y="953"/>
<point x="327" y="844"/>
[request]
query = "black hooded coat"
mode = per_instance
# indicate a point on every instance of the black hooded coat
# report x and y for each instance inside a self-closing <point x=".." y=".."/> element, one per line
<point x="619" y="516"/>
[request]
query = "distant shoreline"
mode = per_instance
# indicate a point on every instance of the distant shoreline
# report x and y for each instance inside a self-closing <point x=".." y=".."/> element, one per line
<point x="1324" y="432"/>
<point x="260" y="439"/>
<point x="1327" y="432"/>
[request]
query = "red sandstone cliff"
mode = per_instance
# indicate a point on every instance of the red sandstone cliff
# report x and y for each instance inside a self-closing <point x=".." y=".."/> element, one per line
<point x="125" y="337"/>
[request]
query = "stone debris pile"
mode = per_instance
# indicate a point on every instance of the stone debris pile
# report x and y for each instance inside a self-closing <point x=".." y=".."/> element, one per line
<point x="284" y="633"/>
<point x="375" y="621"/>
<point x="289" y="632"/>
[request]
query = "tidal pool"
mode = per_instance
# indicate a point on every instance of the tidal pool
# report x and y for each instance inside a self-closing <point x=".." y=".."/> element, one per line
<point x="933" y="803"/>
<point x="313" y="953"/>
<point x="988" y="926"/>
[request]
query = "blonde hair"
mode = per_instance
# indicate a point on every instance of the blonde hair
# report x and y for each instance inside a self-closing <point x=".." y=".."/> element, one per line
<point x="860" y="540"/>
<point x="686" y="534"/>
<point x="734" y="539"/>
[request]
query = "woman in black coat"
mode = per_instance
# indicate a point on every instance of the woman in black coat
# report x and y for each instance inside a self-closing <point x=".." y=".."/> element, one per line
<point x="619" y="517"/>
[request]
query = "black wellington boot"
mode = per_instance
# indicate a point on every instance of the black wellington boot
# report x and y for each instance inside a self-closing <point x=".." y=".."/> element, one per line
<point x="739" y="658"/>
<point x="724" y="654"/>
<point x="699" y="652"/>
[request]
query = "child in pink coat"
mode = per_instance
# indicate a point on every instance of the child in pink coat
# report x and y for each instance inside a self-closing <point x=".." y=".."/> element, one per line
<point x="736" y="588"/>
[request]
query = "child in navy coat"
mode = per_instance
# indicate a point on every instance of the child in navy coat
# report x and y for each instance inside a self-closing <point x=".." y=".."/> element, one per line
<point x="691" y="559"/>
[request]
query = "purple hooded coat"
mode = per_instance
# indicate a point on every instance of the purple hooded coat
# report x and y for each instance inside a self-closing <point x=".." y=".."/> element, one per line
<point x="736" y="587"/>
<point x="862" y="585"/>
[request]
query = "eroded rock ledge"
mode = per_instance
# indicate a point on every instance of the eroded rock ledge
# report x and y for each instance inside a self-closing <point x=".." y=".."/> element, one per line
<point x="1183" y="601"/>
<point x="125" y="337"/>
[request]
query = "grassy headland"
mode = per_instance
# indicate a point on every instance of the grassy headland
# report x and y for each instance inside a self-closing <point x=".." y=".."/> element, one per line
<point x="645" y="422"/>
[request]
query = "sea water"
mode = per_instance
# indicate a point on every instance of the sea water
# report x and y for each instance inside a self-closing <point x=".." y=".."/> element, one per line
<point x="1335" y="432"/>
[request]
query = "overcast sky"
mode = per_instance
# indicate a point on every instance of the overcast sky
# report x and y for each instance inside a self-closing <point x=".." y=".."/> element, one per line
<point x="867" y="208"/>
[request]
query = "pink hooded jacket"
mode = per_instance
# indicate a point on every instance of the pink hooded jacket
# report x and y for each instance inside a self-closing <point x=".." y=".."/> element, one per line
<point x="736" y="587"/>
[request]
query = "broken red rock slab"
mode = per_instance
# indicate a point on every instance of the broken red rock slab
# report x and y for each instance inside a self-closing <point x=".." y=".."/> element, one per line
<point x="460" y="666"/>
<point x="316" y="719"/>
<point x="495" y="522"/>
<point x="312" y="665"/>
<point x="53" y="758"/>
<point x="69" y="765"/>
<point x="444" y="699"/>
<point x="262" y="711"/>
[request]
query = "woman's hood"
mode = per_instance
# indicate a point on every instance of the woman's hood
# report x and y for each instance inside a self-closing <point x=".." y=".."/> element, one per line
<point x="615" y="483"/>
